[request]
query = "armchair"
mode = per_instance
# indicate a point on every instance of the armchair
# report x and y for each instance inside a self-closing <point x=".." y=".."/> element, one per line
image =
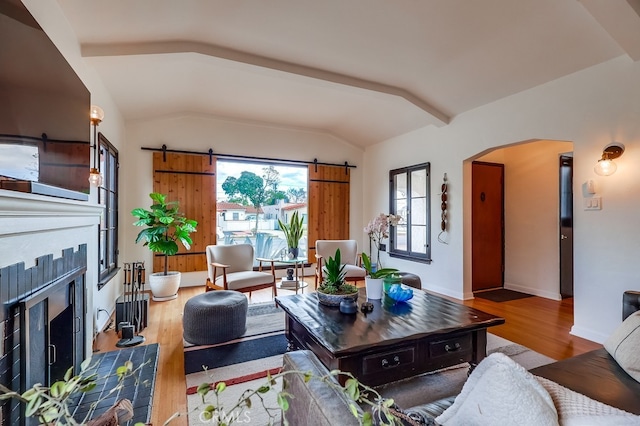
<point x="348" y="253"/>
<point x="231" y="268"/>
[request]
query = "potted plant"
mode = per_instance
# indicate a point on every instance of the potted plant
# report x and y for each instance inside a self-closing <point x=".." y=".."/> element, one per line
<point x="333" y="287"/>
<point x="293" y="233"/>
<point x="375" y="277"/>
<point x="164" y="226"/>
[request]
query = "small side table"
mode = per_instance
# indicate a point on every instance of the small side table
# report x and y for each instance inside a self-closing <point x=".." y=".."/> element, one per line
<point x="298" y="282"/>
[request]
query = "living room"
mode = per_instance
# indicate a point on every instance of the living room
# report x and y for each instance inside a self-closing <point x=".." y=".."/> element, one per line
<point x="592" y="102"/>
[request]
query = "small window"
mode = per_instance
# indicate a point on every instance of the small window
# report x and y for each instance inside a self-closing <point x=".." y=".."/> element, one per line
<point x="409" y="189"/>
<point x="108" y="198"/>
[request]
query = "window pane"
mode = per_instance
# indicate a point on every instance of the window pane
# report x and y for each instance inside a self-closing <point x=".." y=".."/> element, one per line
<point x="112" y="172"/>
<point x="419" y="239"/>
<point x="401" y="237"/>
<point x="103" y="250"/>
<point x="238" y="219"/>
<point x="419" y="183"/>
<point x="400" y="186"/>
<point x="401" y="209"/>
<point x="111" y="248"/>
<point x="418" y="211"/>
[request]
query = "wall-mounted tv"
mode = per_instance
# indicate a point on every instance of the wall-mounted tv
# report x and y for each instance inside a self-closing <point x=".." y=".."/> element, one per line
<point x="44" y="111"/>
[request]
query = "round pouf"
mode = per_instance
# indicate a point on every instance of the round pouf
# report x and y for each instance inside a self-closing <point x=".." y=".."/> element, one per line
<point x="214" y="317"/>
<point x="412" y="280"/>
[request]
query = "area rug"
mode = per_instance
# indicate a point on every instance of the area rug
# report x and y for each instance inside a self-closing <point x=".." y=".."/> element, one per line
<point x="242" y="364"/>
<point x="501" y="295"/>
<point x="264" y="337"/>
<point x="250" y="375"/>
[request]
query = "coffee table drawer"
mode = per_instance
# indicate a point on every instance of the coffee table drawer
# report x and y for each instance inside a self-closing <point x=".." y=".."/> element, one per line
<point x="451" y="347"/>
<point x="401" y="358"/>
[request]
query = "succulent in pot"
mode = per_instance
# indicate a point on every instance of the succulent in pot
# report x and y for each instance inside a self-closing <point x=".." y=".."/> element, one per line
<point x="334" y="288"/>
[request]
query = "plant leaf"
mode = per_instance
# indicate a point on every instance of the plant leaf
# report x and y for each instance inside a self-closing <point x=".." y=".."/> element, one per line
<point x="204" y="389"/>
<point x="283" y="402"/>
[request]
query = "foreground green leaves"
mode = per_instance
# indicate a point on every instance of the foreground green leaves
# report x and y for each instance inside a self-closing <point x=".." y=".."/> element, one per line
<point x="54" y="405"/>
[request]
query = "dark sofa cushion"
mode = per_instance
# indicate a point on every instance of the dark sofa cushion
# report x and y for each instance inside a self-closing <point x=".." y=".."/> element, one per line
<point x="597" y="375"/>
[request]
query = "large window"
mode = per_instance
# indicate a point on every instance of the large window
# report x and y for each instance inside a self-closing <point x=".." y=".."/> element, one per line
<point x="409" y="198"/>
<point x="108" y="198"/>
<point x="252" y="196"/>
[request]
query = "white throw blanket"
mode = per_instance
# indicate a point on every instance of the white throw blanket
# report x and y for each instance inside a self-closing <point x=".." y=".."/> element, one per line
<point x="576" y="409"/>
<point x="502" y="392"/>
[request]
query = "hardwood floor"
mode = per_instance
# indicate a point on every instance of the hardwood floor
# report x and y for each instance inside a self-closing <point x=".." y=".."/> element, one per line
<point x="540" y="324"/>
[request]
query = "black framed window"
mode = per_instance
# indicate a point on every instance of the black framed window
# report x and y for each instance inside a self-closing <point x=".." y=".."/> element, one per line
<point x="108" y="197"/>
<point x="409" y="195"/>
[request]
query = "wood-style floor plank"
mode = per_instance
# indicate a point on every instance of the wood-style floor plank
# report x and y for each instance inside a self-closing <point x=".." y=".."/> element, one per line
<point x="541" y="324"/>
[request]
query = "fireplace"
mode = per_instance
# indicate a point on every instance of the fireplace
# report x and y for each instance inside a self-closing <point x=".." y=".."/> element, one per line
<point x="43" y="323"/>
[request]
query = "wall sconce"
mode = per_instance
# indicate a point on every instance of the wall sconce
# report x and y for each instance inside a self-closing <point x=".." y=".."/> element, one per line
<point x="96" y="115"/>
<point x="606" y="166"/>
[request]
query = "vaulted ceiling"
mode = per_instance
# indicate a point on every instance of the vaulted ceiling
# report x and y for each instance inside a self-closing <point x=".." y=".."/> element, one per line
<point x="363" y="70"/>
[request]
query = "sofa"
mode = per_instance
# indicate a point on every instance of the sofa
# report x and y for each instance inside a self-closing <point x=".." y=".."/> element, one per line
<point x="589" y="386"/>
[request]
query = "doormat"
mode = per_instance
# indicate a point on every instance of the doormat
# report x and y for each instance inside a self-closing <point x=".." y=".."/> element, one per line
<point x="501" y="295"/>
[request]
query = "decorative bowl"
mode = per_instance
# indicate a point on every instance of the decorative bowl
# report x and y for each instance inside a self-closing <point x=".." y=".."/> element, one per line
<point x="400" y="293"/>
<point x="334" y="300"/>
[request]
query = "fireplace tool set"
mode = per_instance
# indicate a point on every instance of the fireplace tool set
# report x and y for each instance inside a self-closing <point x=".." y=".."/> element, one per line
<point x="133" y="308"/>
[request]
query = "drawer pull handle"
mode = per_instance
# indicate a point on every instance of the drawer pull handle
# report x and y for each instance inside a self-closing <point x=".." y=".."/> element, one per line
<point x="453" y="348"/>
<point x="394" y="362"/>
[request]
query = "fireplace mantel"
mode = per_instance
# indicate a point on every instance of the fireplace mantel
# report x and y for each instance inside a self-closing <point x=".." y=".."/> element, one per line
<point x="20" y="212"/>
<point x="33" y="225"/>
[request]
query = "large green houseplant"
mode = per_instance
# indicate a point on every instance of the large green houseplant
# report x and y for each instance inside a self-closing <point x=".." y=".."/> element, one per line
<point x="293" y="232"/>
<point x="334" y="288"/>
<point x="164" y="227"/>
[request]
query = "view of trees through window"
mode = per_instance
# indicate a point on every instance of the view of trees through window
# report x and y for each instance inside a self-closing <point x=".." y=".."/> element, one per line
<point x="251" y="197"/>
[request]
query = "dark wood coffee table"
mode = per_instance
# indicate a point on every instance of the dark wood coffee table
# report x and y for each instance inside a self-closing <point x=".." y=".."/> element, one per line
<point x="393" y="342"/>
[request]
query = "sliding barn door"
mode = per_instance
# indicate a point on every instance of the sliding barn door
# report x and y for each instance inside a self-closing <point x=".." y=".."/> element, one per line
<point x="329" y="196"/>
<point x="191" y="180"/>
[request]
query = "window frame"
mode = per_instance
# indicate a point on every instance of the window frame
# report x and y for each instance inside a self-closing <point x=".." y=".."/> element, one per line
<point x="109" y="167"/>
<point x="408" y="254"/>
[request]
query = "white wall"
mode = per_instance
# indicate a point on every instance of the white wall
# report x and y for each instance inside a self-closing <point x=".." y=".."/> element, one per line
<point x="590" y="108"/>
<point x="199" y="133"/>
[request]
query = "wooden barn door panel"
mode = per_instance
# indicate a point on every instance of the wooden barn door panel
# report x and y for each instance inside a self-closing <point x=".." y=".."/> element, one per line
<point x="329" y="196"/>
<point x="189" y="179"/>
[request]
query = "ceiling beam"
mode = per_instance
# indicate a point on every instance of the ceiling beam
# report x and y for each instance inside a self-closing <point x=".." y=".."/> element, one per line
<point x="438" y="118"/>
<point x="621" y="19"/>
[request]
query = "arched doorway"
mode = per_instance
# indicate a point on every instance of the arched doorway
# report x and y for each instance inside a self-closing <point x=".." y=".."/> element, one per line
<point x="531" y="216"/>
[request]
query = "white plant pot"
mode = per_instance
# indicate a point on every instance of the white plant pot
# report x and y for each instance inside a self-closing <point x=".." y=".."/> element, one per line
<point x="374" y="287"/>
<point x="164" y="287"/>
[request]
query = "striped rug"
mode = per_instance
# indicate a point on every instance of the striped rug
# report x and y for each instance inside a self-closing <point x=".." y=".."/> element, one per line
<point x="242" y="364"/>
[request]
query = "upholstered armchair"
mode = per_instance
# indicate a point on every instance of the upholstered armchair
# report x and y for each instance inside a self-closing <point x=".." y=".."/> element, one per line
<point x="348" y="254"/>
<point x="231" y="268"/>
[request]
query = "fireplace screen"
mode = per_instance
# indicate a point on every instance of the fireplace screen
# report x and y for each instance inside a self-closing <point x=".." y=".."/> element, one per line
<point x="43" y="323"/>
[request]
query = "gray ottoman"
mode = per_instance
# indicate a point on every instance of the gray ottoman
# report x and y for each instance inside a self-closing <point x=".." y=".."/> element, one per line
<point x="214" y="317"/>
<point x="412" y="280"/>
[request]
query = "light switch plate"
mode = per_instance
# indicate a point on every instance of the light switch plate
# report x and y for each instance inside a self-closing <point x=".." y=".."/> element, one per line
<point x="593" y="203"/>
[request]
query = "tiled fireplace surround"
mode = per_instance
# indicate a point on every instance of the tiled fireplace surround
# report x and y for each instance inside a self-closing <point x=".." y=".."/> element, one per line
<point x="45" y="229"/>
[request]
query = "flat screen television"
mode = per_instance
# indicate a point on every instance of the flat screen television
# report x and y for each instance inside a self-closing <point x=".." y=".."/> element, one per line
<point x="44" y="112"/>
